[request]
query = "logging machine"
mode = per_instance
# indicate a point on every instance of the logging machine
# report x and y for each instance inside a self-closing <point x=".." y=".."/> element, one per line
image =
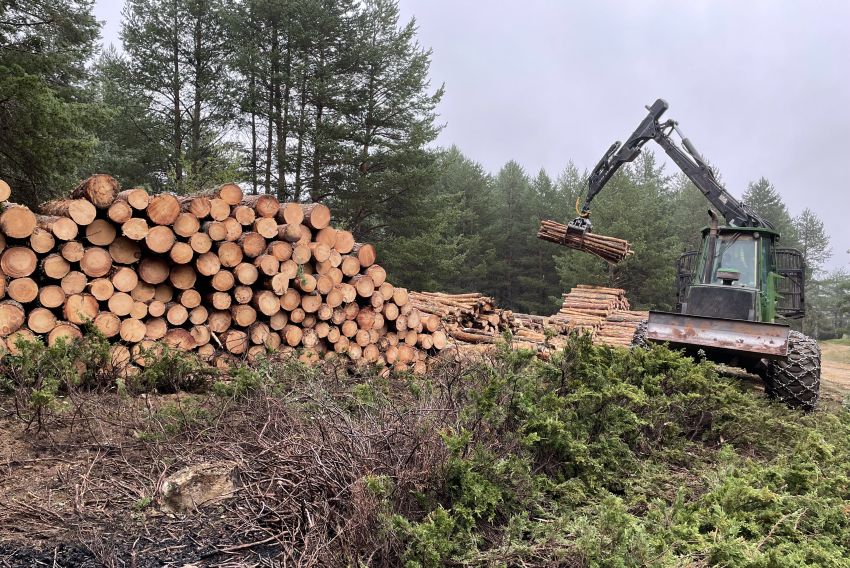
<point x="731" y="292"/>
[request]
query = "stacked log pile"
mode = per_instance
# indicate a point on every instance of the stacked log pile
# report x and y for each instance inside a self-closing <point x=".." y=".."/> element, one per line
<point x="469" y="318"/>
<point x="221" y="273"/>
<point x="603" y="312"/>
<point x="610" y="249"/>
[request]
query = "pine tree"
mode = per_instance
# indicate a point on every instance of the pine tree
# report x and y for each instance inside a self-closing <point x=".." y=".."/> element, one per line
<point x="391" y="118"/>
<point x="175" y="61"/>
<point x="813" y="240"/>
<point x="46" y="113"/>
<point x="763" y="198"/>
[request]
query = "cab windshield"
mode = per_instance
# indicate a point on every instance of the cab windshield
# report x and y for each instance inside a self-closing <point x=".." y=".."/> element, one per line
<point x="736" y="252"/>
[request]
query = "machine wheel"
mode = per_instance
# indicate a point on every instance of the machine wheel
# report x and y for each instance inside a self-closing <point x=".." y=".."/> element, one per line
<point x="795" y="381"/>
<point x="639" y="338"/>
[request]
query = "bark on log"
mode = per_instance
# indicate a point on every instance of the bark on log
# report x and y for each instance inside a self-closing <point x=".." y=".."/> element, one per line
<point x="81" y="211"/>
<point x="99" y="189"/>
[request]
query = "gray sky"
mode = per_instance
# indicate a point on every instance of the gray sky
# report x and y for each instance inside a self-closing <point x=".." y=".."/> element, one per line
<point x="761" y="87"/>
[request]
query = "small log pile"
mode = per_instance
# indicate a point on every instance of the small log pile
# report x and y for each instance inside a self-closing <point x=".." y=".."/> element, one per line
<point x="469" y="318"/>
<point x="221" y="273"/>
<point x="610" y="249"/>
<point x="619" y="327"/>
<point x="603" y="312"/>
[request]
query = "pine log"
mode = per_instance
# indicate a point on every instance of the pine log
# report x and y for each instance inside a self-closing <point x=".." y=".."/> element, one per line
<point x="179" y="339"/>
<point x="41" y="320"/>
<point x="62" y="228"/>
<point x="17" y="221"/>
<point x="23" y="290"/>
<point x="12" y="317"/>
<point x="290" y="213"/>
<point x="243" y="314"/>
<point x="244" y="214"/>
<point x="223" y="280"/>
<point x="233" y="230"/>
<point x="80" y="210"/>
<point x="219" y="300"/>
<point x="96" y="262"/>
<point x="135" y="229"/>
<point x="5" y="191"/>
<point x="246" y="273"/>
<point x="208" y="264"/>
<point x="99" y="189"/>
<point x="153" y="270"/>
<point x="230" y="193"/>
<point x="155" y="328"/>
<point x="183" y="277"/>
<point x="63" y="331"/>
<point x="219" y="209"/>
<point x="160" y="239"/>
<point x="198" y="205"/>
<point x="102" y="289"/>
<point x="316" y="215"/>
<point x="107" y="323"/>
<point x="41" y="241"/>
<point x="143" y="292"/>
<point x="124" y="251"/>
<point x="235" y="341"/>
<point x="163" y="209"/>
<point x="365" y="254"/>
<point x="200" y="242"/>
<point x="186" y="225"/>
<point x="80" y="308"/>
<point x="55" y="266"/>
<point x="264" y="204"/>
<point x="253" y="244"/>
<point x="132" y="330"/>
<point x="51" y="296"/>
<point x="176" y="314"/>
<point x="137" y="198"/>
<point x="18" y="262"/>
<point x="100" y="232"/>
<point x="181" y="253"/>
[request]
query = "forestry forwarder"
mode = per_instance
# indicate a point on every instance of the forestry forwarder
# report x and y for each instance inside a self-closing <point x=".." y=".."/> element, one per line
<point x="733" y="289"/>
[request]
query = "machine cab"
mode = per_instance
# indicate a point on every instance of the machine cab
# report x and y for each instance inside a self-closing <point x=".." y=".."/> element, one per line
<point x="735" y="275"/>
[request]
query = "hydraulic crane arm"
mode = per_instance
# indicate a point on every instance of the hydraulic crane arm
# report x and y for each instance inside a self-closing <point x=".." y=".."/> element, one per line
<point x="688" y="159"/>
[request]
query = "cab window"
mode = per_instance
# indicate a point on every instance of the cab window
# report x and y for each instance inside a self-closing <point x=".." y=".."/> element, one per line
<point x="737" y="252"/>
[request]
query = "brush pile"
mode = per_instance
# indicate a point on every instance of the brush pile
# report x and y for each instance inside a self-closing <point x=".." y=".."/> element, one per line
<point x="221" y="273"/>
<point x="610" y="249"/>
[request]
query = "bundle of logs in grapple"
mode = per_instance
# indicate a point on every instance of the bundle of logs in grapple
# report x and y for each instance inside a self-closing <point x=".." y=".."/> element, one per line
<point x="471" y="318"/>
<point x="225" y="274"/>
<point x="610" y="249"/>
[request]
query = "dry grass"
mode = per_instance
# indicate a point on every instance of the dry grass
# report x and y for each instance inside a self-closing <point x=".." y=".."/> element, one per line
<point x="85" y="489"/>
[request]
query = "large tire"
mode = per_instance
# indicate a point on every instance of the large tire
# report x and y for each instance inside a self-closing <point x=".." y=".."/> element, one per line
<point x="795" y="381"/>
<point x="639" y="338"/>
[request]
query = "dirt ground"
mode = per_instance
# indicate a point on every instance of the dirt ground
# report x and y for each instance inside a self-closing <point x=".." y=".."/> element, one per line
<point x="835" y="375"/>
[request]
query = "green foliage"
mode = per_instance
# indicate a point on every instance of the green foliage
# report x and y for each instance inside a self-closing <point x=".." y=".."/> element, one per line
<point x="169" y="370"/>
<point x="46" y="114"/>
<point x="38" y="375"/>
<point x="608" y="457"/>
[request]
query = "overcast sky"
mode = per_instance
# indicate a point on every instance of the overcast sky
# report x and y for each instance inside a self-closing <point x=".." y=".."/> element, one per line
<point x="761" y="87"/>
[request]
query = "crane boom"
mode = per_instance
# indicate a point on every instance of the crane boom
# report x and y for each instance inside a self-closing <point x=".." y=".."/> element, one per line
<point x="686" y="157"/>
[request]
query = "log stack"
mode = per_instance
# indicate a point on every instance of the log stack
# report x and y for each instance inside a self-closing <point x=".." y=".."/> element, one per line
<point x="469" y="318"/>
<point x="603" y="312"/>
<point x="221" y="273"/>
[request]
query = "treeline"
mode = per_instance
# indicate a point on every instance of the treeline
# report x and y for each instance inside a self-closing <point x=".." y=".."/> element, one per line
<point x="329" y="100"/>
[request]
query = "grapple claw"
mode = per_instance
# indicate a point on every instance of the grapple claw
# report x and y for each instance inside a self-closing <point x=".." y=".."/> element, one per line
<point x="579" y="226"/>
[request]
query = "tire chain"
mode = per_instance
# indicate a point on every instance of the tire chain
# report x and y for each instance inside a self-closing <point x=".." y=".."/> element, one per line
<point x="795" y="381"/>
